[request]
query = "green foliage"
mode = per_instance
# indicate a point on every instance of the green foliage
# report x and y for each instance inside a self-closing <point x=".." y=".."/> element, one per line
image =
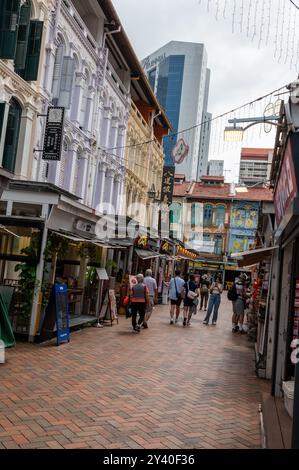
<point x="56" y="244"/>
<point x="91" y="275"/>
<point x="111" y="264"/>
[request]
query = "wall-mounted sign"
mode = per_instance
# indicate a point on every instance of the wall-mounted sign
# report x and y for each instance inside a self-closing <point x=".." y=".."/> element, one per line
<point x="286" y="188"/>
<point x="53" y="134"/>
<point x="180" y="151"/>
<point x="84" y="226"/>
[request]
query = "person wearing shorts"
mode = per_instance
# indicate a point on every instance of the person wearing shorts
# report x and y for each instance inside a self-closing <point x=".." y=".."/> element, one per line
<point x="239" y="304"/>
<point x="176" y="287"/>
<point x="151" y="284"/>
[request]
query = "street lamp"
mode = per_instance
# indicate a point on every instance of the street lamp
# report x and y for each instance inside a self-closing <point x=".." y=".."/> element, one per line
<point x="236" y="133"/>
<point x="152" y="192"/>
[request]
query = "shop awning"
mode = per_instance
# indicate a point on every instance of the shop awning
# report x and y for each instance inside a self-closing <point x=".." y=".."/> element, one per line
<point x="252" y="257"/>
<point x="94" y="241"/>
<point x="146" y="254"/>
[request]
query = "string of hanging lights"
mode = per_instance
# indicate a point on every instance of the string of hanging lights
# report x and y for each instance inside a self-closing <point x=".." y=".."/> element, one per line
<point x="267" y="23"/>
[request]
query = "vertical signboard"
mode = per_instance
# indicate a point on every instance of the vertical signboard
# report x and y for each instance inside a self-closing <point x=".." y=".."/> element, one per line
<point x="167" y="185"/>
<point x="62" y="313"/>
<point x="53" y="134"/>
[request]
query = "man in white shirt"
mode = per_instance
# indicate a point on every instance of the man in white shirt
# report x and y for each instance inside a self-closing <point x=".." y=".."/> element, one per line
<point x="176" y="289"/>
<point x="151" y="284"/>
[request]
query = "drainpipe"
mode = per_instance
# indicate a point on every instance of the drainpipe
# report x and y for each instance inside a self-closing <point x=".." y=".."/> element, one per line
<point x="109" y="33"/>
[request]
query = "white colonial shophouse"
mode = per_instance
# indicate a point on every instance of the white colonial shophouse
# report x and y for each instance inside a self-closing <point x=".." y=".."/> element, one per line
<point x="75" y="55"/>
<point x="80" y="77"/>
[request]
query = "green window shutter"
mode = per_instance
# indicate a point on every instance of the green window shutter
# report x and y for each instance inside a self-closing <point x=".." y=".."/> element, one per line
<point x="2" y="110"/>
<point x="33" y="50"/>
<point x="23" y="34"/>
<point x="66" y="82"/>
<point x="9" y="17"/>
<point x="12" y="136"/>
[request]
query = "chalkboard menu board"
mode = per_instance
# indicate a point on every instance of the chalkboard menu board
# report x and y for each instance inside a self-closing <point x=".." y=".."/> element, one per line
<point x="62" y="313"/>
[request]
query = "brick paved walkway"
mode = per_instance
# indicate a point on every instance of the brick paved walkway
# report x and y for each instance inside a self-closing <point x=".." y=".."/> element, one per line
<point x="169" y="387"/>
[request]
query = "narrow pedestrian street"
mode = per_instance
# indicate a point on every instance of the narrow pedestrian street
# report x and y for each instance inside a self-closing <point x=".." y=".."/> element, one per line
<point x="168" y="387"/>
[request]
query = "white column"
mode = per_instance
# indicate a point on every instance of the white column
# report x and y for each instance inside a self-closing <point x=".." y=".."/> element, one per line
<point x="106" y="128"/>
<point x="100" y="185"/>
<point x="90" y="109"/>
<point x="109" y="185"/>
<point x="25" y="149"/>
<point x="49" y="68"/>
<point x="115" y="196"/>
<point x="70" y="168"/>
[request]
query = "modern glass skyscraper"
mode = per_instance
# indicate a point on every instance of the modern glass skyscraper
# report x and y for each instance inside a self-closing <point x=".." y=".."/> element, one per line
<point x="180" y="78"/>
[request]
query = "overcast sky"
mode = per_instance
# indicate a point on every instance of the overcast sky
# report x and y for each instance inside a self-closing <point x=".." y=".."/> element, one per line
<point x="240" y="70"/>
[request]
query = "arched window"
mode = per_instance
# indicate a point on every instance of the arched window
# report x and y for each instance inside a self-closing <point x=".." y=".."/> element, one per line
<point x="208" y="215"/>
<point x="12" y="135"/>
<point x="218" y="244"/>
<point x="220" y="215"/>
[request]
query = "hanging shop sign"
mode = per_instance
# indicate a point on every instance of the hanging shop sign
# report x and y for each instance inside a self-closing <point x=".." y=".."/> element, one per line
<point x="141" y="241"/>
<point x="53" y="134"/>
<point x="185" y="253"/>
<point x="62" y="313"/>
<point x="286" y="188"/>
<point x="207" y="265"/>
<point x="180" y="151"/>
<point x="166" y="248"/>
<point x="167" y="185"/>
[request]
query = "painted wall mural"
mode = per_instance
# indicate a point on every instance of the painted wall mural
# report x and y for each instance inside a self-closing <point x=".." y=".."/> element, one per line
<point x="243" y="226"/>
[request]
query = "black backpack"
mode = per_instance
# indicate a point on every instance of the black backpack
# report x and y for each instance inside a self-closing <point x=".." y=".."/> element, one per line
<point x="232" y="293"/>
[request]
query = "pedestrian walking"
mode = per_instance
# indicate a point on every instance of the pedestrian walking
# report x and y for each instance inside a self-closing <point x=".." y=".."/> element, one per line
<point x="190" y="300"/>
<point x="176" y="294"/>
<point x="151" y="284"/>
<point x="139" y="301"/>
<point x="239" y="303"/>
<point x="216" y="290"/>
<point x="204" y="292"/>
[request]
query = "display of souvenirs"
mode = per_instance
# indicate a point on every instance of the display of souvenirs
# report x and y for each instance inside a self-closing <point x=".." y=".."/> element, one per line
<point x="296" y="311"/>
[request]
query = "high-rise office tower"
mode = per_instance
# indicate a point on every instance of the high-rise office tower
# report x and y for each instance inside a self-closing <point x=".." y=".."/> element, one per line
<point x="180" y="79"/>
<point x="215" y="167"/>
<point x="255" y="165"/>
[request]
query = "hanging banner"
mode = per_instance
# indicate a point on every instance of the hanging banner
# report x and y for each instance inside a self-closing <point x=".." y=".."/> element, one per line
<point x="53" y="134"/>
<point x="167" y="185"/>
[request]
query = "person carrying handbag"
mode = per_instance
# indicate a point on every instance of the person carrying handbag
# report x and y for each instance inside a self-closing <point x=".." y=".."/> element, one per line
<point x="139" y="300"/>
<point x="191" y="300"/>
<point x="214" y="301"/>
<point x="176" y="293"/>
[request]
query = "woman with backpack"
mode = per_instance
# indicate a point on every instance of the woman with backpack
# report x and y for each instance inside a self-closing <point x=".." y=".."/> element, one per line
<point x="139" y="300"/>
<point x="190" y="299"/>
<point x="204" y="292"/>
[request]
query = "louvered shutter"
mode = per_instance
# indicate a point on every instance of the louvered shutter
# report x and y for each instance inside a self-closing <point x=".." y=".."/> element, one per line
<point x="9" y="17"/>
<point x="57" y="71"/>
<point x="2" y="110"/>
<point x="66" y="82"/>
<point x="23" y="35"/>
<point x="33" y="50"/>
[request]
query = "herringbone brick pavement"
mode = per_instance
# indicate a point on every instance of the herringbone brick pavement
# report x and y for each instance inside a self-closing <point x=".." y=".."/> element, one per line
<point x="168" y="387"/>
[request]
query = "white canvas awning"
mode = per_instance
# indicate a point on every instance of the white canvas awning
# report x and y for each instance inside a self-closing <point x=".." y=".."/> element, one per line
<point x="252" y="257"/>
